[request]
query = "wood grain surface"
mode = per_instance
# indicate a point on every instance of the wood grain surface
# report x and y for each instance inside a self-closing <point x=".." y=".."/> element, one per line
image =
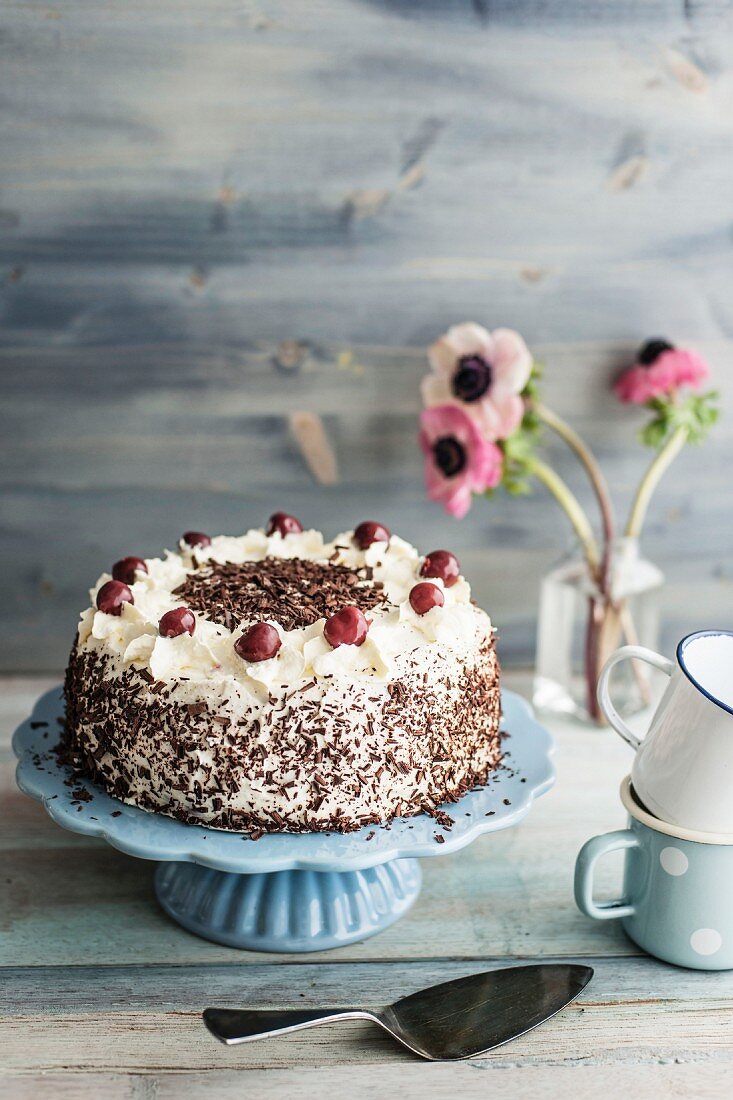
<point x="228" y="228"/>
<point x="227" y="231"/>
<point x="101" y="995"/>
<point x="140" y="444"/>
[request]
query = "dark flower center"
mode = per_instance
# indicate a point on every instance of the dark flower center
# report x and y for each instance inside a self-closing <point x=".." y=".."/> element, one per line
<point x="450" y="455"/>
<point x="472" y="378"/>
<point x="651" y="350"/>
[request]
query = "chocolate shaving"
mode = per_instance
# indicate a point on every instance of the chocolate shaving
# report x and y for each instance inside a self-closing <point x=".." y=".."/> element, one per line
<point x="293" y="591"/>
<point x="324" y="761"/>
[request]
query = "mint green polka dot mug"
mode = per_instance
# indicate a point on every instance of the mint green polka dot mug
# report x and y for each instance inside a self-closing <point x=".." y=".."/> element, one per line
<point x="677" y="899"/>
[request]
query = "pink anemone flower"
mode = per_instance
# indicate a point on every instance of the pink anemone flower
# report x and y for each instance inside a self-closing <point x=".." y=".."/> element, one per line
<point x="660" y="369"/>
<point x="459" y="461"/>
<point x="483" y="372"/>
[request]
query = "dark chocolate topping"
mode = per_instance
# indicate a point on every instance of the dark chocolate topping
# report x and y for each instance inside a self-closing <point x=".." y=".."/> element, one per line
<point x="291" y="591"/>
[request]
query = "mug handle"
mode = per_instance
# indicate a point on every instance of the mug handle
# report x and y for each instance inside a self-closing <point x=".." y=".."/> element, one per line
<point x="639" y="653"/>
<point x="585" y="864"/>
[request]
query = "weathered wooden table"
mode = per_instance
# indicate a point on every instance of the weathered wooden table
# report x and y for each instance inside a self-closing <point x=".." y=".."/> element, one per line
<point x="102" y="994"/>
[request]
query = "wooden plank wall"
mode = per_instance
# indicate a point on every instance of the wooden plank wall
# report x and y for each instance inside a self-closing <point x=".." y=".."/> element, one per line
<point x="217" y="215"/>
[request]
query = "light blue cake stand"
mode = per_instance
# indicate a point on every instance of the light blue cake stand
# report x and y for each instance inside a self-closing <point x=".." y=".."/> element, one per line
<point x="286" y="892"/>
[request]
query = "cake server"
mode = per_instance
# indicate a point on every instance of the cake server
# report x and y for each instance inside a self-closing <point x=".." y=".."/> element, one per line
<point x="457" y="1019"/>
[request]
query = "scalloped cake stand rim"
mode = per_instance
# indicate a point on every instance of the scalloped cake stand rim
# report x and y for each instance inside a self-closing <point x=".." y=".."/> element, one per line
<point x="502" y="803"/>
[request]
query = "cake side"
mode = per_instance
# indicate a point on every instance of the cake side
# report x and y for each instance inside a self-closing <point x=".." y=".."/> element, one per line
<point x="335" y="756"/>
<point x="319" y="736"/>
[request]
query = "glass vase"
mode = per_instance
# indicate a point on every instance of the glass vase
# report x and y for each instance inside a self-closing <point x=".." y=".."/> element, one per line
<point x="579" y="627"/>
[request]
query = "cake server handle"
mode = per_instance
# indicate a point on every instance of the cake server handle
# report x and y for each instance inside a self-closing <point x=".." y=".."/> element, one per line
<point x="241" y="1025"/>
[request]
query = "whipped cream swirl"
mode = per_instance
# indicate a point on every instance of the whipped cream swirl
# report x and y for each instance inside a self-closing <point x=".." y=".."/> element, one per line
<point x="207" y="664"/>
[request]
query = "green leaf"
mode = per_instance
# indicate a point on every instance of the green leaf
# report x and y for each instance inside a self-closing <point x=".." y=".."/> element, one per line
<point x="519" y="450"/>
<point x="696" y="414"/>
<point x="531" y="391"/>
<point x="654" y="433"/>
<point x="518" y="487"/>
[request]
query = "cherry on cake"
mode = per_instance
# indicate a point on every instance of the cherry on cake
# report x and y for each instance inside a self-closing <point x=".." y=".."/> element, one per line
<point x="278" y="682"/>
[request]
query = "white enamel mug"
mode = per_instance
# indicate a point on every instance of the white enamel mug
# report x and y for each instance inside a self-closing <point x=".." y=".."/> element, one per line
<point x="683" y="769"/>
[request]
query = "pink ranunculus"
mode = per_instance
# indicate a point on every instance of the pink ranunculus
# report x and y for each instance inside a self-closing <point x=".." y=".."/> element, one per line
<point x="660" y="369"/>
<point x="483" y="372"/>
<point x="459" y="461"/>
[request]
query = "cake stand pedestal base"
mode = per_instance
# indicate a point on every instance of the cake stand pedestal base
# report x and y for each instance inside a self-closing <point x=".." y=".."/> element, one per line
<point x="285" y="892"/>
<point x="287" y="911"/>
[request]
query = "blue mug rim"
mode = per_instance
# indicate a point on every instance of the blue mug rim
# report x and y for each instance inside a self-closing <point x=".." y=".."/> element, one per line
<point x="682" y="645"/>
<point x="637" y="810"/>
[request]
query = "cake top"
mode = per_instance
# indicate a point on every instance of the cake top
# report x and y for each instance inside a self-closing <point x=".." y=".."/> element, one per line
<point x="293" y="592"/>
<point x="276" y="608"/>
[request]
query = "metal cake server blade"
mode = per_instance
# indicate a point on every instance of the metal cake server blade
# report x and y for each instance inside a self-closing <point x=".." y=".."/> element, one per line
<point x="457" y="1019"/>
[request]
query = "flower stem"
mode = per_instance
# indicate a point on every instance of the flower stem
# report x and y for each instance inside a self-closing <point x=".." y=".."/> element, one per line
<point x="593" y="630"/>
<point x="572" y="508"/>
<point x="662" y="461"/>
<point x="596" y="476"/>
